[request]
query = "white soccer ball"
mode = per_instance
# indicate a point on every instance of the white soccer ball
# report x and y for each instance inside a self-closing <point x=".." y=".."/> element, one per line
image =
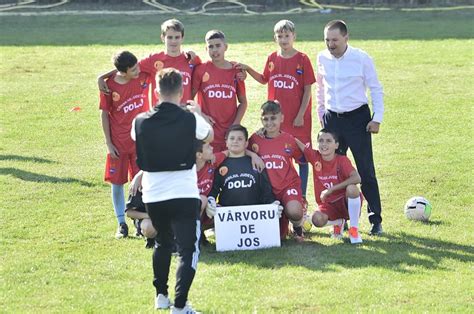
<point x="418" y="208"/>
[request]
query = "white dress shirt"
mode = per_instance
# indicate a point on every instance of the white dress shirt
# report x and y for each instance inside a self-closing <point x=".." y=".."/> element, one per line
<point x="342" y="83"/>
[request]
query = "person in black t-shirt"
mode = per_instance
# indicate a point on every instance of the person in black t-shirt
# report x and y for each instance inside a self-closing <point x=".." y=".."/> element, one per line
<point x="236" y="182"/>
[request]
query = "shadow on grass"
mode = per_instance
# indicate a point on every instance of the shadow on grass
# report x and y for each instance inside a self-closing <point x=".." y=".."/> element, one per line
<point x="27" y="158"/>
<point x="397" y="252"/>
<point x="36" y="177"/>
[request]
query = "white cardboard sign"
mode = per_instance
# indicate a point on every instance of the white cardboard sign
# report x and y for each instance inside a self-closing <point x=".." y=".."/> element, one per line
<point x="247" y="227"/>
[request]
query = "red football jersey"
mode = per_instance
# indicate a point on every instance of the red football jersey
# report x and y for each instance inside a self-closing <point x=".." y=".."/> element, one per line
<point x="206" y="174"/>
<point x="217" y="91"/>
<point x="328" y="173"/>
<point x="124" y="103"/>
<point x="158" y="61"/>
<point x="286" y="79"/>
<point x="278" y="154"/>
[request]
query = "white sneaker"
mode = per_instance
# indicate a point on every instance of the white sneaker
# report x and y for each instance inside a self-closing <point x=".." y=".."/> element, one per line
<point x="354" y="235"/>
<point x="162" y="302"/>
<point x="185" y="310"/>
<point x="338" y="230"/>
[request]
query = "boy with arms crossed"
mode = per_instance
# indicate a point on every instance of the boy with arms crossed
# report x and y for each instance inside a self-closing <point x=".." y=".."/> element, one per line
<point x="289" y="75"/>
<point x="219" y="89"/>
<point x="118" y="109"/>
<point x="172" y="35"/>
<point x="335" y="186"/>
<point x="278" y="150"/>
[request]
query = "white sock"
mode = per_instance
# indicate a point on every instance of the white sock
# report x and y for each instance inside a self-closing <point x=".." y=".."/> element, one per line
<point x="354" y="211"/>
<point x="334" y="222"/>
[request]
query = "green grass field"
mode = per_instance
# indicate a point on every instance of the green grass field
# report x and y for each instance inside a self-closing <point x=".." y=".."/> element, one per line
<point x="58" y="253"/>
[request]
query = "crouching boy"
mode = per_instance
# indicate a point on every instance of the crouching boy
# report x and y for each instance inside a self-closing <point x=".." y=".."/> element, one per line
<point x="335" y="187"/>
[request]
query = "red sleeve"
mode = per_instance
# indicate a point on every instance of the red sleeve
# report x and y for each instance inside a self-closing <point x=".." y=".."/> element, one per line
<point x="266" y="71"/>
<point x="251" y="142"/>
<point x="196" y="61"/>
<point x="346" y="166"/>
<point x="309" y="77"/>
<point x="310" y="154"/>
<point x="147" y="65"/>
<point x="197" y="77"/>
<point x="105" y="102"/>
<point x="297" y="153"/>
<point x="220" y="157"/>
<point x="241" y="89"/>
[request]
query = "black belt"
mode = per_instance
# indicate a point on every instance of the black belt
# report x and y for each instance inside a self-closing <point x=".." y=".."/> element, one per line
<point x="349" y="113"/>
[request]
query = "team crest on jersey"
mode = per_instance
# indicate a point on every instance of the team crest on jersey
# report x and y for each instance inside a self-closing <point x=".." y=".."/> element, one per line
<point x="112" y="170"/>
<point x="205" y="77"/>
<point x="299" y="69"/>
<point x="271" y="66"/>
<point x="159" y="65"/>
<point x="317" y="166"/>
<point x="288" y="149"/>
<point x="191" y="65"/>
<point x="115" y="96"/>
<point x="210" y="170"/>
<point x="223" y="170"/>
<point x="255" y="147"/>
<point x="143" y="84"/>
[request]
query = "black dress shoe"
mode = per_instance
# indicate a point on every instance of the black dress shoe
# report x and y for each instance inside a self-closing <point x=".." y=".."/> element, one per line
<point x="376" y="229"/>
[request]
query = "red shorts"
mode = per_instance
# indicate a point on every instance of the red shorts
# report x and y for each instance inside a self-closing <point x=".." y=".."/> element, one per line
<point x="337" y="209"/>
<point x="291" y="193"/>
<point x="119" y="170"/>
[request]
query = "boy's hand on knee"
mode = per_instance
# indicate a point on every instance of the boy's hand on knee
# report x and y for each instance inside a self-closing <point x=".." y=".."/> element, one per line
<point x="324" y="194"/>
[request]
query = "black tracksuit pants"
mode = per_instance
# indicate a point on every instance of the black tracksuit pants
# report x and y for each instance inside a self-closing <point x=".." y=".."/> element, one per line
<point x="175" y="218"/>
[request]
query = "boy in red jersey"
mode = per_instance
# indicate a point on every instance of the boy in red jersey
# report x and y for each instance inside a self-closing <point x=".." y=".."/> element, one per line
<point x="172" y="35"/>
<point x="206" y="164"/>
<point x="118" y="109"/>
<point x="335" y="186"/>
<point x="289" y="75"/>
<point x="278" y="150"/>
<point x="219" y="89"/>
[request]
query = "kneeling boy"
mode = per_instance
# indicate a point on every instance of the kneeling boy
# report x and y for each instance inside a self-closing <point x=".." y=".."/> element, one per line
<point x="335" y="186"/>
<point x="278" y="150"/>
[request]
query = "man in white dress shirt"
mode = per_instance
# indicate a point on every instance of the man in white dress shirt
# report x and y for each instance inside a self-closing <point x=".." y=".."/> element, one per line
<point x="343" y="76"/>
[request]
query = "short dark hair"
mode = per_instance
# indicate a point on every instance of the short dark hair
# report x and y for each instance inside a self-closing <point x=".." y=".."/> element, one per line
<point x="215" y="34"/>
<point x="170" y="82"/>
<point x="237" y="127"/>
<point x="328" y="131"/>
<point x="199" y="146"/>
<point x="124" y="60"/>
<point x="173" y="24"/>
<point x="271" y="107"/>
<point x="337" y="24"/>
